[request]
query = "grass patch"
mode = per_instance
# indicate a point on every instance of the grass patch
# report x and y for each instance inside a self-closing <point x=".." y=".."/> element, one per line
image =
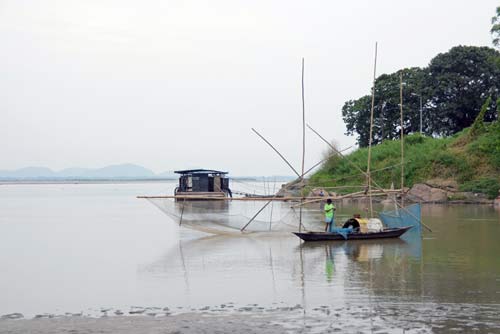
<point x="474" y="162"/>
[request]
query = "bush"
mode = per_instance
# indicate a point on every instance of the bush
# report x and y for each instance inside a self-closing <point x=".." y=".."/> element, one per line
<point x="488" y="186"/>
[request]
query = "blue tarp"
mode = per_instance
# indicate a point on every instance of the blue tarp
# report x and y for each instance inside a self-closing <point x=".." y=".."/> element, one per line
<point x="342" y="231"/>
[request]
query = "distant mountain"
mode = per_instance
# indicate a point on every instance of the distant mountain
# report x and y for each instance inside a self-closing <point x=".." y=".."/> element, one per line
<point x="122" y="171"/>
<point x="112" y="172"/>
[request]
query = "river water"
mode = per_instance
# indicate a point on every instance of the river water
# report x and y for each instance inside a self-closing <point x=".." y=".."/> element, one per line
<point x="95" y="249"/>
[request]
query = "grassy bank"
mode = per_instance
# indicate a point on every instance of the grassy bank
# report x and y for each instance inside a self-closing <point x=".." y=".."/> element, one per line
<point x="470" y="158"/>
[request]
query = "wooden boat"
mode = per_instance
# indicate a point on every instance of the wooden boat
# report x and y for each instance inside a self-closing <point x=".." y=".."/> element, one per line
<point x="326" y="236"/>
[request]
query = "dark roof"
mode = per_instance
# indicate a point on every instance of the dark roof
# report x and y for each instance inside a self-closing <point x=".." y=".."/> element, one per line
<point x="199" y="171"/>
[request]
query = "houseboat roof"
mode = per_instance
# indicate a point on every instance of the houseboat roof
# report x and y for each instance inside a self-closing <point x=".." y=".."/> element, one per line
<point x="199" y="171"/>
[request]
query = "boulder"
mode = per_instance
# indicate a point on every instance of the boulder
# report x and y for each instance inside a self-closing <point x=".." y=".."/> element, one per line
<point x="424" y="193"/>
<point x="445" y="184"/>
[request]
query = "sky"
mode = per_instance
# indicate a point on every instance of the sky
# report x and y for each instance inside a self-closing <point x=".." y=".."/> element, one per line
<point x="177" y="84"/>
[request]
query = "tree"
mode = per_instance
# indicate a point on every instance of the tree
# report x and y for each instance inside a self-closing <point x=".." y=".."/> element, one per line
<point x="457" y="84"/>
<point x="356" y="116"/>
<point x="386" y="113"/>
<point x="495" y="28"/>
<point x="453" y="88"/>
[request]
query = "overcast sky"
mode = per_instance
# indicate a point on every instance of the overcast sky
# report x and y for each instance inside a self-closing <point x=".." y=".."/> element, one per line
<point x="175" y="84"/>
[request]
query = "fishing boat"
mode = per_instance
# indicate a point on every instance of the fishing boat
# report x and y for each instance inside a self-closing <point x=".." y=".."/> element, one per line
<point x="327" y="236"/>
<point x="392" y="224"/>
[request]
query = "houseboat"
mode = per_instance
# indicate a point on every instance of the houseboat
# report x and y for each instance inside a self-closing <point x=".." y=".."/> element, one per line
<point x="202" y="184"/>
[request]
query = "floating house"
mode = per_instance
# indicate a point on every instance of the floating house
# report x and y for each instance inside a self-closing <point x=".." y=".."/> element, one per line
<point x="203" y="183"/>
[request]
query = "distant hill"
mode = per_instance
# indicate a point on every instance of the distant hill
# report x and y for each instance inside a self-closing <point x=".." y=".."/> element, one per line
<point x="112" y="172"/>
<point x="121" y="171"/>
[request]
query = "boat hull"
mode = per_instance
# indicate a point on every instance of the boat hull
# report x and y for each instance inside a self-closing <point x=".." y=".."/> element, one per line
<point x="326" y="236"/>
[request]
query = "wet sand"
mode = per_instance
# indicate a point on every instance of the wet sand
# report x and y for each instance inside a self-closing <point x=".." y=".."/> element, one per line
<point x="263" y="323"/>
<point x="185" y="323"/>
<point x="230" y="319"/>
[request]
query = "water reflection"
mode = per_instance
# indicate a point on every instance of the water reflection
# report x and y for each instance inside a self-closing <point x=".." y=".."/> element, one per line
<point x="282" y="269"/>
<point x="393" y="279"/>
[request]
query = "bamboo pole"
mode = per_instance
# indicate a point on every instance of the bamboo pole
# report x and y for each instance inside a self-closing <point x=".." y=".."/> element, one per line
<point x="303" y="145"/>
<point x="402" y="135"/>
<point x="275" y="150"/>
<point x="358" y="194"/>
<point x="368" y="175"/>
<point x="182" y="211"/>
<point x="357" y="167"/>
<point x="255" y="216"/>
<point x="272" y="207"/>
<point x="303" y="122"/>
<point x="325" y="159"/>
<point x="255" y="199"/>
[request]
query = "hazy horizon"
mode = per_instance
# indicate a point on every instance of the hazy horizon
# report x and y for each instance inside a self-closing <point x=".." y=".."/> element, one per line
<point x="175" y="85"/>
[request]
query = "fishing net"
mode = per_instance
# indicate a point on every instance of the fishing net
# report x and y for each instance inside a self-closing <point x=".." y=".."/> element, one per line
<point x="401" y="217"/>
<point x="226" y="216"/>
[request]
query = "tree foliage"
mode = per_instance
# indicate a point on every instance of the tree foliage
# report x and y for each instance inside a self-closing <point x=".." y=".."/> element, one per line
<point x="495" y="28"/>
<point x="458" y="83"/>
<point x="453" y="88"/>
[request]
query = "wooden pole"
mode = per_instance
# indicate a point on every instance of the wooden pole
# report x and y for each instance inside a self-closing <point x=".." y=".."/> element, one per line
<point x="303" y="144"/>
<point x="368" y="175"/>
<point x="402" y="136"/>
<point x="255" y="216"/>
<point x="303" y="122"/>
<point x="182" y="211"/>
<point x="275" y="150"/>
<point x="325" y="159"/>
<point x="357" y="167"/>
<point x="249" y="199"/>
<point x="272" y="206"/>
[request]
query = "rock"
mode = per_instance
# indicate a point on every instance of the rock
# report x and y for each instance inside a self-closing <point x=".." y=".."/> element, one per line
<point x="445" y="184"/>
<point x="424" y="193"/>
<point x="292" y="189"/>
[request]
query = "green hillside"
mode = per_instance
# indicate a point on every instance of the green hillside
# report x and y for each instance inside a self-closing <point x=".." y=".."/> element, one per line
<point x="470" y="157"/>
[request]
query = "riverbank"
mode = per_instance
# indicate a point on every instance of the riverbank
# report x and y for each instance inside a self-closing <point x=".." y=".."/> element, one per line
<point x="436" y="191"/>
<point x="383" y="318"/>
<point x="183" y="323"/>
<point x="463" y="168"/>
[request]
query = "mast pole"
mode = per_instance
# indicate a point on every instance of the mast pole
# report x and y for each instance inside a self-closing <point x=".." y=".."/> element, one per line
<point x="402" y="135"/>
<point x="303" y="145"/>
<point x="368" y="175"/>
<point x="303" y="123"/>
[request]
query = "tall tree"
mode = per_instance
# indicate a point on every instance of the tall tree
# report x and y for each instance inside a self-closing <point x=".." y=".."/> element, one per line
<point x="457" y="84"/>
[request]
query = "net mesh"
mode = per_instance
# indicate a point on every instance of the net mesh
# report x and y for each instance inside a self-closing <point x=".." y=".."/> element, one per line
<point x="222" y="216"/>
<point x="401" y="217"/>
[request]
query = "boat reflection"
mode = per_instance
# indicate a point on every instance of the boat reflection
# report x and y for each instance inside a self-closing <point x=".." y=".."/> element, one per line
<point x="271" y="268"/>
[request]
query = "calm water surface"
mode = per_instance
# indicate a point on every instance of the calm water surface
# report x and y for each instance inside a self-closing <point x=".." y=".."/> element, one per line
<point x="87" y="247"/>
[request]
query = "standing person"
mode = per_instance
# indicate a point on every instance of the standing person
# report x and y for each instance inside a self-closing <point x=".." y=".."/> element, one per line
<point x="329" y="216"/>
